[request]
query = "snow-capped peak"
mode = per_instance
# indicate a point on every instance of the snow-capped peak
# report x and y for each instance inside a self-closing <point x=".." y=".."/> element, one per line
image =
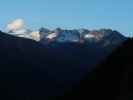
<point x="103" y="36"/>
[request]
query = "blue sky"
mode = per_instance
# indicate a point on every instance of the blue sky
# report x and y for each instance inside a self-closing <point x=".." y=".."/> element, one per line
<point x="91" y="14"/>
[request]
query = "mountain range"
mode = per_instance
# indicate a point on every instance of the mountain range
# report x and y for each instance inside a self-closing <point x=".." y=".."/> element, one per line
<point x="54" y="69"/>
<point x="105" y="37"/>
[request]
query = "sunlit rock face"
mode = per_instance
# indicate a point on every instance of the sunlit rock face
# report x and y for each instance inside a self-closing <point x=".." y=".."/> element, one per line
<point x="25" y="33"/>
<point x="18" y="28"/>
<point x="35" y="36"/>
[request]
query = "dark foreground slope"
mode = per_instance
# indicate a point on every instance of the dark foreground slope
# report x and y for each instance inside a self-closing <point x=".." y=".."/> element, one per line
<point x="110" y="81"/>
<point x="31" y="70"/>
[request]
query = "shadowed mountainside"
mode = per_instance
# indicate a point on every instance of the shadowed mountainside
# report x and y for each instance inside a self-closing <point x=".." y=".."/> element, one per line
<point x="110" y="81"/>
<point x="29" y="69"/>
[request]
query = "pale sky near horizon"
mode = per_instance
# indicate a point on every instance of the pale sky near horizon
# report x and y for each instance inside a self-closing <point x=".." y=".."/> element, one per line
<point x="91" y="14"/>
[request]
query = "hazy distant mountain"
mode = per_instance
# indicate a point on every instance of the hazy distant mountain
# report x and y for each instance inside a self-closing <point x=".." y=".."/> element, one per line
<point x="76" y="34"/>
<point x="105" y="37"/>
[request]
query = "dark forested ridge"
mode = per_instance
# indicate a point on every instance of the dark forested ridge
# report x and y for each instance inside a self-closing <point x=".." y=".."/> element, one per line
<point x="30" y="70"/>
<point x="110" y="81"/>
